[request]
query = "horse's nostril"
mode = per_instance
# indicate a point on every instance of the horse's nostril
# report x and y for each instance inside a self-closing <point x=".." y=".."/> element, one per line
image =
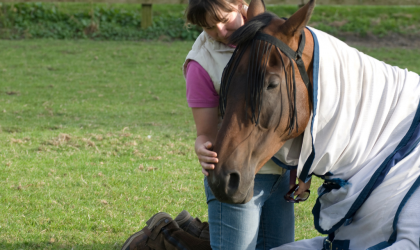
<point x="233" y="184"/>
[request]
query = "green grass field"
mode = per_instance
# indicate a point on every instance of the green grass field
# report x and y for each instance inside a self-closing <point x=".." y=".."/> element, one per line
<point x="95" y="137"/>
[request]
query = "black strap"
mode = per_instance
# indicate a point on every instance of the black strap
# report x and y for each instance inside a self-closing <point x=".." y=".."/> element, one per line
<point x="279" y="44"/>
<point x="336" y="244"/>
<point x="295" y="55"/>
<point x="301" y="64"/>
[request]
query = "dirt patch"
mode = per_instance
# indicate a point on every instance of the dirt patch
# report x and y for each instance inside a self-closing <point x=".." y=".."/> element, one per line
<point x="389" y="41"/>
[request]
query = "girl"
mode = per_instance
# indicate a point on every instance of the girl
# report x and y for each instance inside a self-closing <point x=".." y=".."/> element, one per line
<point x="267" y="220"/>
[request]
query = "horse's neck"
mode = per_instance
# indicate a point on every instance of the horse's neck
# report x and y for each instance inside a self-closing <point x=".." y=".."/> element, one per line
<point x="308" y="55"/>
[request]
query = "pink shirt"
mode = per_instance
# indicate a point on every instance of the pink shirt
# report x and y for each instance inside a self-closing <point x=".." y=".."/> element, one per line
<point x="200" y="88"/>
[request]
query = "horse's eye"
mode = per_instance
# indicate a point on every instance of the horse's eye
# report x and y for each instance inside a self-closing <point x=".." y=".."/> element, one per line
<point x="272" y="85"/>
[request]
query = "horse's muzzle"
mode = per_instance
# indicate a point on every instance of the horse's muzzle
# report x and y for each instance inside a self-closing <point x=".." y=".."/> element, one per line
<point x="229" y="188"/>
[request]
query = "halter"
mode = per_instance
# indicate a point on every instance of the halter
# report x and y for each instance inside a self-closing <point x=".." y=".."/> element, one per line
<point x="296" y="55"/>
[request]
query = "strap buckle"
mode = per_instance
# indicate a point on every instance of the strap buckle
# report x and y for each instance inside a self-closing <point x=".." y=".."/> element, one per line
<point x="328" y="244"/>
<point x="335" y="244"/>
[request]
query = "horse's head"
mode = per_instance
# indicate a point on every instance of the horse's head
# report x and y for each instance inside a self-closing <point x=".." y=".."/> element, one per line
<point x="263" y="99"/>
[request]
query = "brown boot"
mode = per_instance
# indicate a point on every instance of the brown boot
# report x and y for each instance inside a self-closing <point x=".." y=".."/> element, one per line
<point x="163" y="233"/>
<point x="193" y="226"/>
<point x="166" y="235"/>
<point x="138" y="240"/>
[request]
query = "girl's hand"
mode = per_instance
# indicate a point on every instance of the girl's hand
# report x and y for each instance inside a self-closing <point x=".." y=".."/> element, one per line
<point x="206" y="157"/>
<point x="303" y="187"/>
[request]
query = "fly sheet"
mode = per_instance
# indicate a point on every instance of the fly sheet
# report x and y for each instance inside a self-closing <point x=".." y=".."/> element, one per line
<point x="363" y="140"/>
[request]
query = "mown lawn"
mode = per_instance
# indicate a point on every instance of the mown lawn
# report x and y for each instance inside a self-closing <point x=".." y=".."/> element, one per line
<point x="95" y="137"/>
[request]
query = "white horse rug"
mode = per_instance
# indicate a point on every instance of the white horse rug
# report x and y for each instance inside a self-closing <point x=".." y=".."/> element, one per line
<point x="363" y="140"/>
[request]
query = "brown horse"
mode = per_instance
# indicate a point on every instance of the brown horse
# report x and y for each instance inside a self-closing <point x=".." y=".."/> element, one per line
<point x="332" y="111"/>
<point x="274" y="107"/>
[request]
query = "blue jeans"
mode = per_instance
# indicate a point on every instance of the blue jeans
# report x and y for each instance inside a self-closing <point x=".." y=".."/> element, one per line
<point x="265" y="222"/>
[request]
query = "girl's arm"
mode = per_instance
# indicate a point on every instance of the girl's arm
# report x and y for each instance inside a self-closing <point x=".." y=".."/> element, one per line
<point x="206" y="120"/>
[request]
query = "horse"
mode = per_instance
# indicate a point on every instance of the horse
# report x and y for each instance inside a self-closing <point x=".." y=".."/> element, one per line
<point x="326" y="110"/>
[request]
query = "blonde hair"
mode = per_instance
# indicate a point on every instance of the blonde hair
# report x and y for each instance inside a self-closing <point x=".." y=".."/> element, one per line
<point x="197" y="10"/>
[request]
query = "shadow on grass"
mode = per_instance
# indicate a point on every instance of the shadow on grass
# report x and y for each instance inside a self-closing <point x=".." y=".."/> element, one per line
<point x="57" y="245"/>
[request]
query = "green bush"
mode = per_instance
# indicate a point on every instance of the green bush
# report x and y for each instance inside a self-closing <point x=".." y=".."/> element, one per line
<point x="36" y="20"/>
<point x="123" y="21"/>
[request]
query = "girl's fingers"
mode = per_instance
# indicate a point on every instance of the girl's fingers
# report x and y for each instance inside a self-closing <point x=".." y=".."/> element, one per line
<point x="206" y="148"/>
<point x="208" y="159"/>
<point x="203" y="151"/>
<point x="208" y="145"/>
<point x="205" y="165"/>
<point x="303" y="187"/>
<point x="300" y="191"/>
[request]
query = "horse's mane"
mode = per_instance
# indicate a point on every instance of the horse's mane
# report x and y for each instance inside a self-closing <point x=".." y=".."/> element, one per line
<point x="249" y="29"/>
<point x="258" y="61"/>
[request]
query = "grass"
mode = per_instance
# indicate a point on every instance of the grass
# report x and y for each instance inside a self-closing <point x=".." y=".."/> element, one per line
<point x="96" y="137"/>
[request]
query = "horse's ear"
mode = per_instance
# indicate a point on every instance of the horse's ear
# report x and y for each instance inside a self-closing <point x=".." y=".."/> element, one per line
<point x="297" y="22"/>
<point x="256" y="7"/>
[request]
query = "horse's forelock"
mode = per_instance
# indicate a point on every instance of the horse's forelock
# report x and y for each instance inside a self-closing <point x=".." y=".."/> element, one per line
<point x="242" y="38"/>
<point x="248" y="31"/>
